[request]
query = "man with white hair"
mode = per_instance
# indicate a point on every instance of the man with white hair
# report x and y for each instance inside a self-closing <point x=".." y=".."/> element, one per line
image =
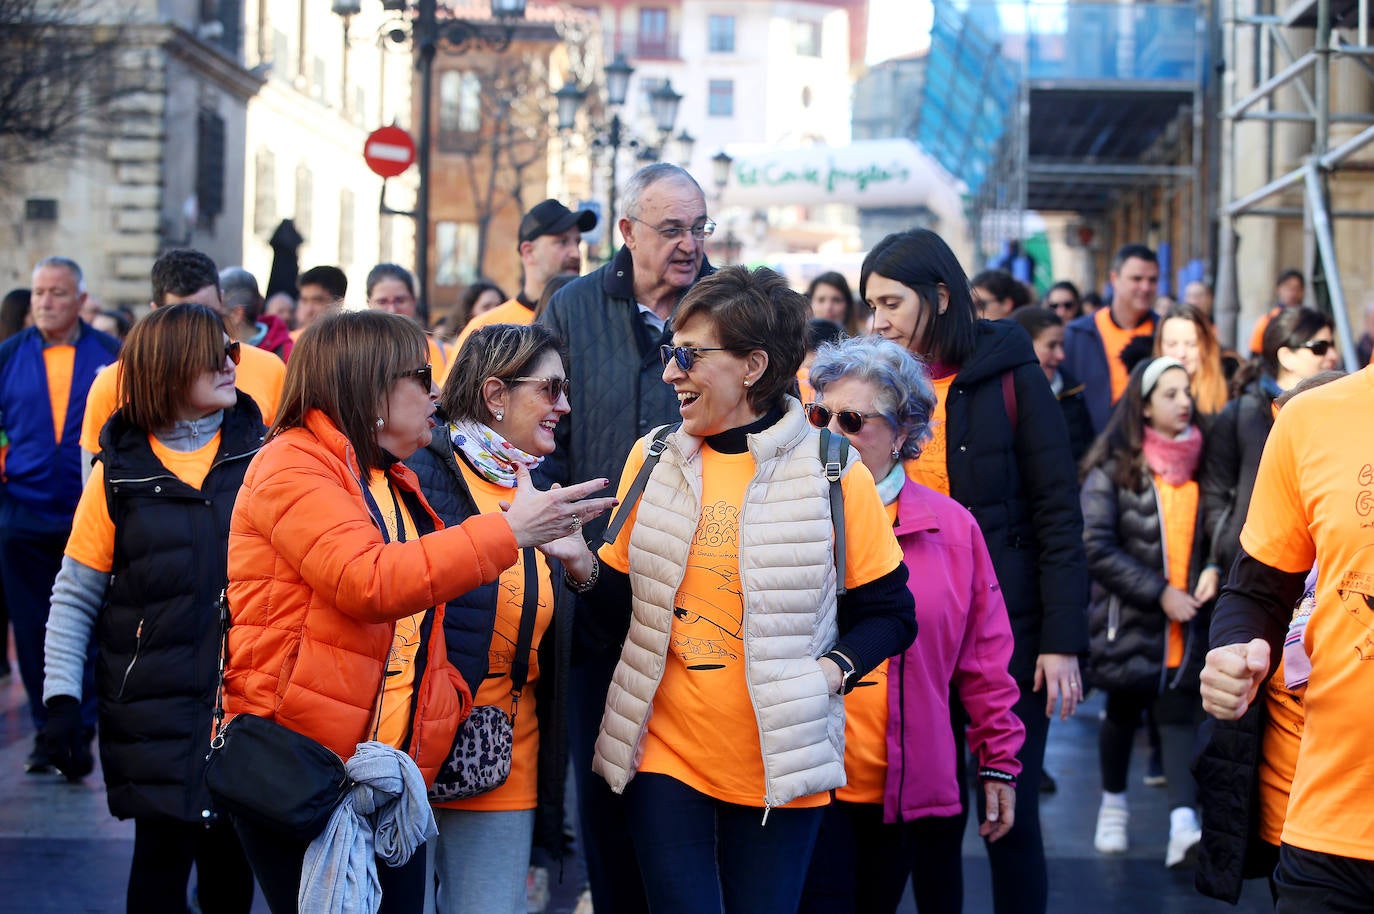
<point x="45" y="373"/>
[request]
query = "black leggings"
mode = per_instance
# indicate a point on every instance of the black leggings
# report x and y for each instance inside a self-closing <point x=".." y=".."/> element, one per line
<point x="1178" y="714"/>
<point x="164" y="850"/>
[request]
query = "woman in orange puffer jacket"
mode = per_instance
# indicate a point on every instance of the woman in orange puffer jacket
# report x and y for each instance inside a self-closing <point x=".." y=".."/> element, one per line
<point x="339" y="570"/>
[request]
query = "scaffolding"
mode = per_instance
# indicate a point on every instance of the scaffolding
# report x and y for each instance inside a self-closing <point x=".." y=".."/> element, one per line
<point x="1309" y="73"/>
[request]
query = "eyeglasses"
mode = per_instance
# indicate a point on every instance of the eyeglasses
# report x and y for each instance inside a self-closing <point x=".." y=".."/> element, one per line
<point x="232" y="351"/>
<point x="700" y="231"/>
<point x="1319" y="347"/>
<point x="424" y="374"/>
<point x="851" y="420"/>
<point x="685" y="356"/>
<point x="551" y="388"/>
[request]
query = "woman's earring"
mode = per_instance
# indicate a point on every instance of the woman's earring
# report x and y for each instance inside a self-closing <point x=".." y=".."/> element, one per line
<point x="381" y="423"/>
<point x="896" y="452"/>
<point x="747" y="383"/>
<point x="499" y="415"/>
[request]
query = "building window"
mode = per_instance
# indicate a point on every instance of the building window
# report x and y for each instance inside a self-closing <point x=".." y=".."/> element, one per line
<point x="209" y="166"/>
<point x="456" y="244"/>
<point x="720" y="98"/>
<point x="345" y="227"/>
<point x="808" y="35"/>
<point x="721" y="30"/>
<point x="283" y="62"/>
<point x="460" y="109"/>
<point x="653" y="31"/>
<point x="305" y="199"/>
<point x="319" y="83"/>
<point x="264" y="192"/>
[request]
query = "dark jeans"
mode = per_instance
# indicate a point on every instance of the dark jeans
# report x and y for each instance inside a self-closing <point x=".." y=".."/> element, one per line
<point x="30" y="557"/>
<point x="277" y="861"/>
<point x="699" y="855"/>
<point x="1310" y="882"/>
<point x="860" y="864"/>
<point x="612" y="871"/>
<point x="1020" y="880"/>
<point x="164" y="850"/>
<point x="1177" y="714"/>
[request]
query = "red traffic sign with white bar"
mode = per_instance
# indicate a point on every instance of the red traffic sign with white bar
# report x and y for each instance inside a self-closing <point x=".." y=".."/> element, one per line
<point x="389" y="151"/>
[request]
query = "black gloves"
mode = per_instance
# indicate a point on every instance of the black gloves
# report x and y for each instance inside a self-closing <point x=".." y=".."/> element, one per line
<point x="66" y="738"/>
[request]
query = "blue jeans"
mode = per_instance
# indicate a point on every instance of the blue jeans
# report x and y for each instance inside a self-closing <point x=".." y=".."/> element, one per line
<point x="699" y="855"/>
<point x="481" y="859"/>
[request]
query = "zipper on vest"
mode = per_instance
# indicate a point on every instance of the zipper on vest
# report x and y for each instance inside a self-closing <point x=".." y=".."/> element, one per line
<point x="766" y="810"/>
<point x="138" y="644"/>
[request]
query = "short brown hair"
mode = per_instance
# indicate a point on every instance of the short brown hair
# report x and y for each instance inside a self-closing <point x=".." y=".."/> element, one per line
<point x="494" y="351"/>
<point x="344" y="365"/>
<point x="754" y="310"/>
<point x="162" y="357"/>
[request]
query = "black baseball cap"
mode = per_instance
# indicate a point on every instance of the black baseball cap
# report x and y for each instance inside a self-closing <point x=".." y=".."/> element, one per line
<point x="553" y="218"/>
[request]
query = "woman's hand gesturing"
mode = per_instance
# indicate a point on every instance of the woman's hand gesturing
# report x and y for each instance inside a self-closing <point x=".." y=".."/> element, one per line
<point x="537" y="517"/>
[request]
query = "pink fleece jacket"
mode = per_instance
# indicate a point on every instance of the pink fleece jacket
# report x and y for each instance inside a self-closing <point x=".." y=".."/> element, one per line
<point x="963" y="640"/>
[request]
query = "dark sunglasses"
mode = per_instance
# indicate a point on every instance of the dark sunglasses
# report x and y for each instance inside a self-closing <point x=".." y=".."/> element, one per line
<point x="851" y="420"/>
<point x="685" y="356"/>
<point x="551" y="388"/>
<point x="232" y="351"/>
<point x="1319" y="347"/>
<point x="424" y="374"/>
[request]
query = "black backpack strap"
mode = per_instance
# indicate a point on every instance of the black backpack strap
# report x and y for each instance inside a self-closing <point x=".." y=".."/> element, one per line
<point x="834" y="453"/>
<point x="520" y="666"/>
<point x="656" y="448"/>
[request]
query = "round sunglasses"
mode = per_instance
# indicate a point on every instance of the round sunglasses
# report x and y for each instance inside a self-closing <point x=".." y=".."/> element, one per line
<point x="851" y="420"/>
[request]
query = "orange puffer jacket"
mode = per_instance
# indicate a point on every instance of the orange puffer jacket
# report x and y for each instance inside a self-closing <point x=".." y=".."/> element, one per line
<point x="314" y="592"/>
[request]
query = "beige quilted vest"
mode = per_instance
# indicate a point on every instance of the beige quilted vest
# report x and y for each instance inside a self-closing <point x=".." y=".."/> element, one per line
<point x="787" y="574"/>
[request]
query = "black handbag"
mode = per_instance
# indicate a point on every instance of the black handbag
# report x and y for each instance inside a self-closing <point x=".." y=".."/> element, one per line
<point x="268" y="775"/>
<point x="480" y="758"/>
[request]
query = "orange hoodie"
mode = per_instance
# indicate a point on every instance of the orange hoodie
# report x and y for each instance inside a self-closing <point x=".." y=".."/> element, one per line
<point x="314" y="593"/>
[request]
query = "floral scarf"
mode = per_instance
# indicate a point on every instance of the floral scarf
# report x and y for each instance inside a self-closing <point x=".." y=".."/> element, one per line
<point x="493" y="457"/>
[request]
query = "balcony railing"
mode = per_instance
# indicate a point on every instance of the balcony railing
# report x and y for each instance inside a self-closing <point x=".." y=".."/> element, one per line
<point x="643" y="46"/>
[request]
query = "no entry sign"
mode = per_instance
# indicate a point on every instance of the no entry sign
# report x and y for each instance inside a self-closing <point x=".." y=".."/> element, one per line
<point x="389" y="151"/>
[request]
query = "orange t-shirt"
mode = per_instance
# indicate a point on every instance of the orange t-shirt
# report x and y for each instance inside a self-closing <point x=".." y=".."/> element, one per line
<point x="931" y="468"/>
<point x="1179" y="504"/>
<point x="522" y="786"/>
<point x="93" y="534"/>
<point x="60" y="362"/>
<point x="703" y="730"/>
<point x="1313" y="502"/>
<point x="393" y="725"/>
<point x="510" y="311"/>
<point x="1261" y="325"/>
<point x="865" y="731"/>
<point x="1279" y="755"/>
<point x="1115" y="339"/>
<point x="260" y="375"/>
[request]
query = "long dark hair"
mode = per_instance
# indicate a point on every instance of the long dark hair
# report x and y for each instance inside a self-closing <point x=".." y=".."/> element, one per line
<point x="1122" y="442"/>
<point x="920" y="260"/>
<point x="1289" y="329"/>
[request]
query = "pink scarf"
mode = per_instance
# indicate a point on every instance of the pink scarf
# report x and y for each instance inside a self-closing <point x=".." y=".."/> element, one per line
<point x="1174" y="459"/>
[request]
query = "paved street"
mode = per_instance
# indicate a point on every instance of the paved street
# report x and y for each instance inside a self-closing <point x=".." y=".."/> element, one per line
<point x="61" y="851"/>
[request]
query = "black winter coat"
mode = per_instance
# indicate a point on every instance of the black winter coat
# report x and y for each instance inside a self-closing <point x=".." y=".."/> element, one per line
<point x="1230" y="463"/>
<point x="1227" y="773"/>
<point x="468" y="625"/>
<point x="618" y="395"/>
<point x="1019" y="482"/>
<point x="1074" y="404"/>
<point x="1124" y="536"/>
<point x="158" y="633"/>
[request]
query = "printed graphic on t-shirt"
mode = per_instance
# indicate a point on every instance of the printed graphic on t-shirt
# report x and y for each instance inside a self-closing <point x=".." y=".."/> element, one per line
<point x="507" y="629"/>
<point x="708" y="632"/>
<point x="1356" y="590"/>
<point x="404" y="646"/>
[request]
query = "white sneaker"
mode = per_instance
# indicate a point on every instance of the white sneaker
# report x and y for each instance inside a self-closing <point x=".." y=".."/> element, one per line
<point x="1111" y="830"/>
<point x="1183" y="846"/>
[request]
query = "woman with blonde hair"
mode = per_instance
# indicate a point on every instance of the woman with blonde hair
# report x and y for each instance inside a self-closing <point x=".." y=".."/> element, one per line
<point x="1185" y="334"/>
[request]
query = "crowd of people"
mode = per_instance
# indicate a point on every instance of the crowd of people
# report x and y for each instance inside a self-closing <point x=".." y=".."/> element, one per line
<point x="861" y="551"/>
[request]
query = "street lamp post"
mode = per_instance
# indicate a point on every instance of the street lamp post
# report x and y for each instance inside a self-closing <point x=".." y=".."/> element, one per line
<point x="663" y="104"/>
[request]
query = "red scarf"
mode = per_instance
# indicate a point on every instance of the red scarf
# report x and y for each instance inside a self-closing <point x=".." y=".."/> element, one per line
<point x="1174" y="459"/>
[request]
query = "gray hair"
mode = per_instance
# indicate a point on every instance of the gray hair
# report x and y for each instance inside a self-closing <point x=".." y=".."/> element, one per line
<point x="905" y="396"/>
<point x="648" y="176"/>
<point x="66" y="263"/>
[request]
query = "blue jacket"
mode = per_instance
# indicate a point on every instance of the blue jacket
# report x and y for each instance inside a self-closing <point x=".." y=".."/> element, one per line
<point x="1085" y="358"/>
<point x="40" y="474"/>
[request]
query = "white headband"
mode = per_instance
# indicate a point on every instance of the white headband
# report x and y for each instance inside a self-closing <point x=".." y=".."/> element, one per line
<point x="1150" y="378"/>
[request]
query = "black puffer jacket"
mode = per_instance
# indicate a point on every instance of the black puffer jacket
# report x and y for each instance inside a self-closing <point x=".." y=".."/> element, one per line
<point x="1020" y="485"/>
<point x="1130" y="632"/>
<point x="468" y="624"/>
<point x="618" y="394"/>
<point x="1073" y="402"/>
<point x="1230" y="463"/>
<point x="1227" y="773"/>
<point x="158" y="633"/>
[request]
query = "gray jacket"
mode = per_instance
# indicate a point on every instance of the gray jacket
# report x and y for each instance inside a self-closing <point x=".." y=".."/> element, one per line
<point x="612" y="360"/>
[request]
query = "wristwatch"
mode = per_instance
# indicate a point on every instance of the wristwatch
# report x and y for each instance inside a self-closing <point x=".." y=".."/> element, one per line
<point x="848" y="677"/>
